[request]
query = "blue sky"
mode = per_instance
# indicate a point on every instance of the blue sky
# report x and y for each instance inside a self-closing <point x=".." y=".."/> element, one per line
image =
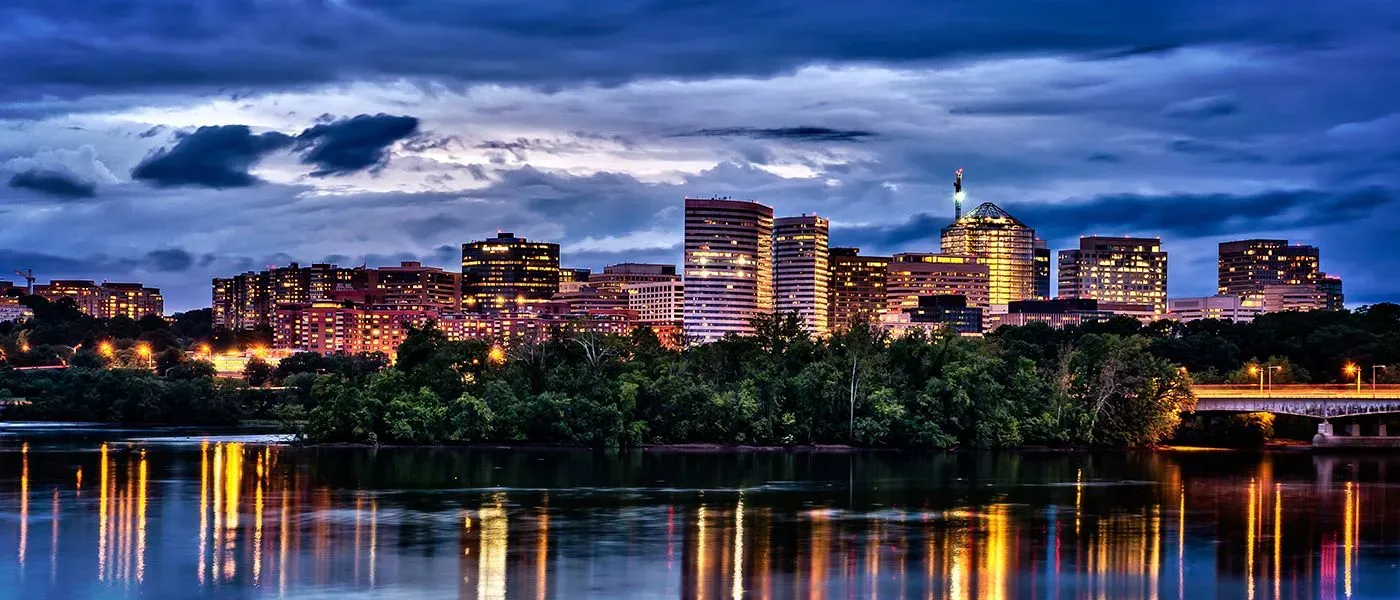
<point x="172" y="141"/>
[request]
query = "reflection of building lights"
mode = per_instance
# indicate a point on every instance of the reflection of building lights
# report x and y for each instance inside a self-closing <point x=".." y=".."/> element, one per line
<point x="103" y="473"/>
<point x="23" y="503"/>
<point x="737" y="588"/>
<point x="1251" y="529"/>
<point x="1349" y="525"/>
<point x="142" y="479"/>
<point x="491" y="563"/>
<point x="1278" y="540"/>
<point x="203" y="507"/>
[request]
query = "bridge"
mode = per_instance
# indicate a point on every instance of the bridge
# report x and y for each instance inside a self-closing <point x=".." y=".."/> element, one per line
<point x="1316" y="401"/>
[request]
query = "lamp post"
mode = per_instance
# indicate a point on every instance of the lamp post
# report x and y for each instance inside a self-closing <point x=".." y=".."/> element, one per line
<point x="1271" y="377"/>
<point x="1374" y="369"/>
<point x="1352" y="369"/>
<point x="1254" y="370"/>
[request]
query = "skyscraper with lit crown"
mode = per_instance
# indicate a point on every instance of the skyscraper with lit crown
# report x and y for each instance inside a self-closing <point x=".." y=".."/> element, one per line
<point x="508" y="272"/>
<point x="728" y="266"/>
<point x="1001" y="242"/>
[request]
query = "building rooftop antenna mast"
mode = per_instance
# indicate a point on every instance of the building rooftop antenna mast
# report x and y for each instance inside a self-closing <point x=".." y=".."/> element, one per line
<point x="28" y="275"/>
<point x="958" y="194"/>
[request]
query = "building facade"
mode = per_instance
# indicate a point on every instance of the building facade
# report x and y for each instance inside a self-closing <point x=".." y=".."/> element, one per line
<point x="412" y="286"/>
<point x="657" y="301"/>
<point x="1247" y="266"/>
<point x="912" y="275"/>
<point x="617" y="277"/>
<point x="1225" y="308"/>
<point x="947" y="311"/>
<point x="1295" y="297"/>
<point x="801" y="271"/>
<point x="105" y="300"/>
<point x="508" y="273"/>
<point x="1001" y="242"/>
<point x="1058" y="314"/>
<point x="1120" y="270"/>
<point x="250" y="299"/>
<point x="1042" y="269"/>
<point x="330" y="328"/>
<point x="728" y="267"/>
<point x="857" y="287"/>
<point x="1331" y="286"/>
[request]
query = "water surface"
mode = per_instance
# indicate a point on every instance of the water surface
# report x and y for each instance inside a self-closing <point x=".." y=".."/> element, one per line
<point x="90" y="512"/>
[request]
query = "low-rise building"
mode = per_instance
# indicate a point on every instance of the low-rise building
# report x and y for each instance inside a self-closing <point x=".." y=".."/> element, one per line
<point x="1223" y="307"/>
<point x="1058" y="314"/>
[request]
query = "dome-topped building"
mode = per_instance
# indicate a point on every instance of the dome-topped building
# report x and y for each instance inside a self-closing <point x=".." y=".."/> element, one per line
<point x="1003" y="243"/>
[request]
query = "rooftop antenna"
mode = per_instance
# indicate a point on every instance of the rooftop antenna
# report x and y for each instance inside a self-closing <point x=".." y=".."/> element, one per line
<point x="28" y="275"/>
<point x="958" y="194"/>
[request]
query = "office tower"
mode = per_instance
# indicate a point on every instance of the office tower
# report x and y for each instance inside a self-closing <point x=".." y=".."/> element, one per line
<point x="1225" y="308"/>
<point x="801" y="272"/>
<point x="1117" y="270"/>
<point x="1331" y="286"/>
<point x="912" y="275"/>
<point x="508" y="272"/>
<point x="657" y="301"/>
<point x="617" y="277"/>
<point x="1002" y="243"/>
<point x="84" y="294"/>
<point x="1247" y="266"/>
<point x="412" y="286"/>
<point x="857" y="287"/>
<point x="728" y="267"/>
<point x="1042" y="269"/>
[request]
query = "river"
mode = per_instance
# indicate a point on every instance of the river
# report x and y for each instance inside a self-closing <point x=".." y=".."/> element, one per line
<point x="90" y="512"/>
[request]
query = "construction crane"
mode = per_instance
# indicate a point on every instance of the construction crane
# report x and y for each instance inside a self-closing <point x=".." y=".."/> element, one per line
<point x="28" y="275"/>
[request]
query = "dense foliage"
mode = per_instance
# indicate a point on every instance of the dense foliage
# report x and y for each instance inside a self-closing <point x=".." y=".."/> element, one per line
<point x="779" y="386"/>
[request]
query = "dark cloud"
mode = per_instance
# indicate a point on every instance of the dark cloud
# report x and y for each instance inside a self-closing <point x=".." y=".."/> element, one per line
<point x="353" y="144"/>
<point x="1208" y="107"/>
<point x="801" y="134"/>
<point x="216" y="157"/>
<point x="152" y="132"/>
<point x="170" y="259"/>
<point x="223" y="44"/>
<point x="1104" y="157"/>
<point x="53" y="183"/>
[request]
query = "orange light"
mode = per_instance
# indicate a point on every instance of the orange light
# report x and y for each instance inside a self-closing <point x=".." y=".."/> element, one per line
<point x="496" y="355"/>
<point x="106" y="349"/>
<point x="24" y="347"/>
<point x="144" y="350"/>
<point x="1351" y="369"/>
<point x="1253" y="370"/>
<point x="205" y="349"/>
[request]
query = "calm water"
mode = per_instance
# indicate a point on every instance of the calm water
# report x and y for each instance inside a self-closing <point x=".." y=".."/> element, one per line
<point x="107" y="513"/>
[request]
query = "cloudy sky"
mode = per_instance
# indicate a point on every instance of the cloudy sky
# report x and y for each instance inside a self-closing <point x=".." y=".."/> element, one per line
<point x="170" y="141"/>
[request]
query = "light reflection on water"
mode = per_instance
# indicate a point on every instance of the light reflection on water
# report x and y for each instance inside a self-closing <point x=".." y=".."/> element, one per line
<point x="218" y="518"/>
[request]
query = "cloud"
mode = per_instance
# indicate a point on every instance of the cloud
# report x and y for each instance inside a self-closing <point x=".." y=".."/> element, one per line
<point x="53" y="183"/>
<point x="211" y="156"/>
<point x="1206" y="107"/>
<point x="805" y="134"/>
<point x="170" y="259"/>
<point x="353" y="144"/>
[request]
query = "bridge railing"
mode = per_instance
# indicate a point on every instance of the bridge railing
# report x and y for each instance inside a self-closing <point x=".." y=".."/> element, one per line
<point x="1323" y="391"/>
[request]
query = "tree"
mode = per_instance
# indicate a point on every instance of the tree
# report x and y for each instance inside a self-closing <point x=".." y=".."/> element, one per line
<point x="257" y="372"/>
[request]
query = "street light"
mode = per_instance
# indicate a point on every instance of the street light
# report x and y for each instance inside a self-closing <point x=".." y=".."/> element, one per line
<point x="1352" y="369"/>
<point x="1271" y="376"/>
<point x="106" y="349"/>
<point x="1374" y="369"/>
<point x="1254" y="370"/>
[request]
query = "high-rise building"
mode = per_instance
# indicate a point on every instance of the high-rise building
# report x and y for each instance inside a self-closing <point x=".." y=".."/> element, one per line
<point x="1119" y="270"/>
<point x="1002" y="243"/>
<point x="728" y="266"/>
<point x="912" y="275"/>
<point x="412" y="286"/>
<point x="1042" y="269"/>
<point x="105" y="300"/>
<point x="250" y="299"/>
<point x="1247" y="266"/>
<point x="508" y="272"/>
<point x="1331" y="286"/>
<point x="857" y="287"/>
<point x="657" y="301"/>
<point x="801" y="272"/>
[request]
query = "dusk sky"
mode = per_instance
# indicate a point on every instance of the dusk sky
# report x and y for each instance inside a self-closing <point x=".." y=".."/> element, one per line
<point x="169" y="142"/>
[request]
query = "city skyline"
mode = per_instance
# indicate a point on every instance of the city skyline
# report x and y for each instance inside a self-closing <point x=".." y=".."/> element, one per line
<point x="192" y="143"/>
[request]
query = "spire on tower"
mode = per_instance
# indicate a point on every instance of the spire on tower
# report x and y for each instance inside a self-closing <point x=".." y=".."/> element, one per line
<point x="957" y="194"/>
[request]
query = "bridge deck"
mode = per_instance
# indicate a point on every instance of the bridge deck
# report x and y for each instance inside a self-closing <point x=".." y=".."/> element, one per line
<point x="1321" y="401"/>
